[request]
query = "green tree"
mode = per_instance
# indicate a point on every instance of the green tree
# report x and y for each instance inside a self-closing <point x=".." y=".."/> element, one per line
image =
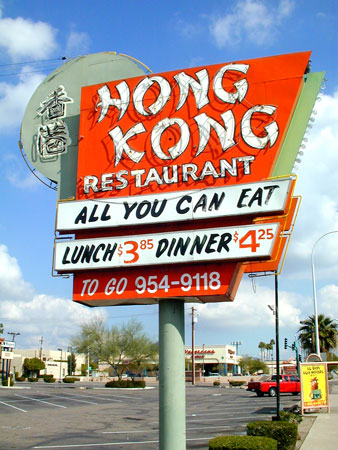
<point x="120" y="347"/>
<point x="268" y="351"/>
<point x="261" y="346"/>
<point x="327" y="329"/>
<point x="272" y="343"/>
<point x="252" y="365"/>
<point x="32" y="366"/>
<point x="142" y="350"/>
<point x="84" y="368"/>
<point x="332" y="357"/>
<point x="71" y="363"/>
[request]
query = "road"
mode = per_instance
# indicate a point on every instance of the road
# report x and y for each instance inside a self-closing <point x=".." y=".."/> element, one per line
<point x="60" y="416"/>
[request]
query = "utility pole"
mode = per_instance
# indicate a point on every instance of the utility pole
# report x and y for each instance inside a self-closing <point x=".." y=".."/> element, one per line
<point x="13" y="335"/>
<point x="9" y="362"/>
<point x="193" y="345"/>
<point x="88" y="365"/>
<point x="277" y="344"/>
<point x="194" y="319"/>
<point x="41" y="342"/>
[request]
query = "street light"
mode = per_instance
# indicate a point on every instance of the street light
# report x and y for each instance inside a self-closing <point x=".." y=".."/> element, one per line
<point x="60" y="350"/>
<point x="236" y="344"/>
<point x="314" y="291"/>
<point x="13" y="335"/>
<point x="9" y="363"/>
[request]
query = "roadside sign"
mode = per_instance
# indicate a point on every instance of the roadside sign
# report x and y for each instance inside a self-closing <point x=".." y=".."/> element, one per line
<point x="8" y="344"/>
<point x="6" y="355"/>
<point x="250" y="199"/>
<point x="174" y="172"/>
<point x="201" y="282"/>
<point x="314" y="386"/>
<point x="227" y="243"/>
<point x="187" y="129"/>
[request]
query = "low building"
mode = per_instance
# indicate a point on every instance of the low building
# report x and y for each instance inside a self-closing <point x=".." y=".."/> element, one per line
<point x="56" y="361"/>
<point x="213" y="359"/>
<point x="288" y="367"/>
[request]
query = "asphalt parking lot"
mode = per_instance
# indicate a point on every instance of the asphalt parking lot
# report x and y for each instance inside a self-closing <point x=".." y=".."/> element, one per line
<point x="59" y="416"/>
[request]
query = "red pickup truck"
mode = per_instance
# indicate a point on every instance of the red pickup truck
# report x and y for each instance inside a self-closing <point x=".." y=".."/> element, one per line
<point x="287" y="384"/>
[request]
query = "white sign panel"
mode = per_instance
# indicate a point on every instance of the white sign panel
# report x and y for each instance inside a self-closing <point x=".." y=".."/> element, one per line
<point x="229" y="243"/>
<point x="259" y="198"/>
<point x="8" y="344"/>
<point x="6" y="355"/>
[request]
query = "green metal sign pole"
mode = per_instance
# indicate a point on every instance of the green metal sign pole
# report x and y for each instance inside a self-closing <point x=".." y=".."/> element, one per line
<point x="172" y="375"/>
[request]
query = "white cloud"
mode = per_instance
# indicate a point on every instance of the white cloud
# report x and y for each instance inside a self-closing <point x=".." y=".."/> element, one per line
<point x="34" y="315"/>
<point x="327" y="300"/>
<point x="254" y="20"/>
<point x="318" y="187"/>
<point x="15" y="97"/>
<point x="249" y="309"/>
<point x="23" y="38"/>
<point x="57" y="319"/>
<point x="16" y="171"/>
<point x="77" y="44"/>
<point x="12" y="285"/>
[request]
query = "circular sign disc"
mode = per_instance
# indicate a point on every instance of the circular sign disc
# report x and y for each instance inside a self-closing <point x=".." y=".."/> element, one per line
<point x="50" y="127"/>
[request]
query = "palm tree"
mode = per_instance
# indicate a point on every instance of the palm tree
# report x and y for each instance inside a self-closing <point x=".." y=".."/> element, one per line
<point x="272" y="343"/>
<point x="327" y="329"/>
<point x="262" y="346"/>
<point x="268" y="352"/>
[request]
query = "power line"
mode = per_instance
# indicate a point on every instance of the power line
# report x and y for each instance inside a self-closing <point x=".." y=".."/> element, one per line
<point x="28" y="71"/>
<point x="61" y="58"/>
<point x="35" y="64"/>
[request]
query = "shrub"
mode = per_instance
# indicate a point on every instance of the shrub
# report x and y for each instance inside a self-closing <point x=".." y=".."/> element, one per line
<point x="33" y="364"/>
<point x="70" y="379"/>
<point x="33" y="379"/>
<point x="216" y="383"/>
<point x="5" y="382"/>
<point x="49" y="379"/>
<point x="126" y="384"/>
<point x="288" y="416"/>
<point x="285" y="433"/>
<point x="139" y="383"/>
<point x="20" y="378"/>
<point x="236" y="383"/>
<point x="242" y="443"/>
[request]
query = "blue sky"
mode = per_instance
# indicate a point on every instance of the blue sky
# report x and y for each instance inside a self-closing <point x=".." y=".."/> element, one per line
<point x="34" y="36"/>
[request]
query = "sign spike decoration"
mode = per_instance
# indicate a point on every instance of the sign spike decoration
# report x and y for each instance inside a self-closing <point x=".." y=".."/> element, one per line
<point x="174" y="196"/>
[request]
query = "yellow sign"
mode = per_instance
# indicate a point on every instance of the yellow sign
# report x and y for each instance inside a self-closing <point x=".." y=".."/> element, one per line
<point x="314" y="385"/>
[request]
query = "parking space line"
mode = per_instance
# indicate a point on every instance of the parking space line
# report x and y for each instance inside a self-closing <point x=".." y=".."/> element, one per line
<point x="126" y="397"/>
<point x="104" y="444"/>
<point x="117" y="443"/>
<point x="41" y="401"/>
<point x="213" y="414"/>
<point x="224" y="418"/>
<point x="156" y="430"/>
<point x="74" y="399"/>
<point x="11" y="406"/>
<point x="99" y="398"/>
<point x="127" y="432"/>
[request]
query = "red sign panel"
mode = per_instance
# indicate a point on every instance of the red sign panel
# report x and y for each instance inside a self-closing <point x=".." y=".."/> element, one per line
<point x="187" y="129"/>
<point x="198" y="282"/>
